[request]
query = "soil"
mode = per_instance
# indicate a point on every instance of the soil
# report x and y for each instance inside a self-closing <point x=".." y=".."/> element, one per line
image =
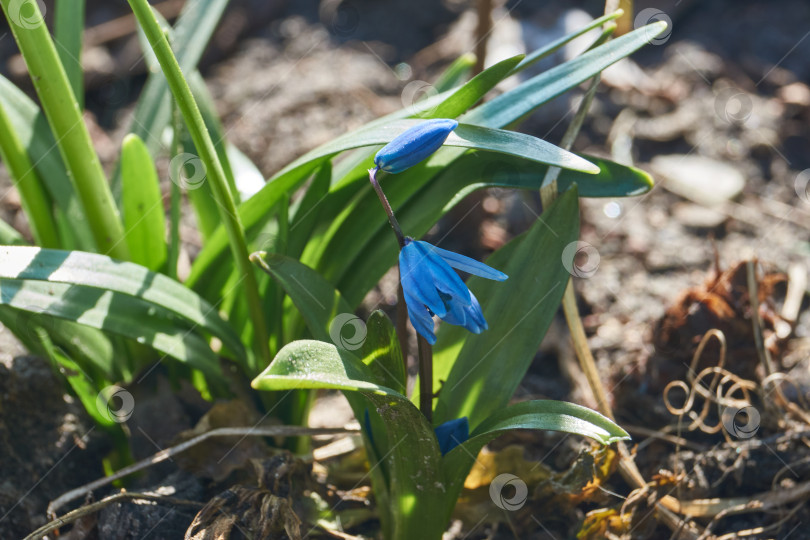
<point x="719" y="112"/>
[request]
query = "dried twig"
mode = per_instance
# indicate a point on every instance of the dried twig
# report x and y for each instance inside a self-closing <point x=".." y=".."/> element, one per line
<point x="92" y="508"/>
<point x="163" y="455"/>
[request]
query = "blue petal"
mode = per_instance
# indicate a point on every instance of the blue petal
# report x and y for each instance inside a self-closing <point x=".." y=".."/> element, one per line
<point x="475" y="322"/>
<point x="470" y="317"/>
<point x="413" y="145"/>
<point x="417" y="278"/>
<point x="445" y="279"/>
<point x="456" y="314"/>
<point x="452" y="433"/>
<point x="471" y="266"/>
<point x="420" y="318"/>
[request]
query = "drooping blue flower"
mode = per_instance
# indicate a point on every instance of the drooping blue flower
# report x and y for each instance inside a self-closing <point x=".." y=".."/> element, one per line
<point x="413" y="145"/>
<point x="431" y="287"/>
<point x="452" y="433"/>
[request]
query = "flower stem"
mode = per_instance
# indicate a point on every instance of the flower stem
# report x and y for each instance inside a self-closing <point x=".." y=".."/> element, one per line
<point x="425" y="378"/>
<point x="372" y="176"/>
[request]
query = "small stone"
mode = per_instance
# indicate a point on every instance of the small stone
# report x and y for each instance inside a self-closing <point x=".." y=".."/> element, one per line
<point x="700" y="179"/>
<point x="698" y="217"/>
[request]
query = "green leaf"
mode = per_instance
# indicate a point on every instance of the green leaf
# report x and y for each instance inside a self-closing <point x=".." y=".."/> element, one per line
<point x="469" y="94"/>
<point x="306" y="215"/>
<point x="456" y="73"/>
<point x="68" y="33"/>
<point x="381" y="352"/>
<point x="316" y="299"/>
<point x="517" y="144"/>
<point x="540" y="414"/>
<point x="112" y="312"/>
<point x="518" y="102"/>
<point x="9" y="236"/>
<point x="72" y="136"/>
<point x="479" y="170"/>
<point x="190" y="36"/>
<point x="36" y="136"/>
<point x="144" y="219"/>
<point x="315" y="364"/>
<point x="546" y="50"/>
<point x="410" y="454"/>
<point x="88" y="346"/>
<point x="481" y="372"/>
<point x="132" y="284"/>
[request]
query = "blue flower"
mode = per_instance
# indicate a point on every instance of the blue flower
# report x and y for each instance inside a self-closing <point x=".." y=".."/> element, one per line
<point x="413" y="145"/>
<point x="452" y="433"/>
<point x="431" y="287"/>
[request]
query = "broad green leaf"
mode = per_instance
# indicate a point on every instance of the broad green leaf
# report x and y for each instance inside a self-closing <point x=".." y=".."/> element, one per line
<point x="381" y="352"/>
<point x="540" y="414"/>
<point x="88" y="346"/>
<point x="481" y="372"/>
<point x="35" y="134"/>
<point x="144" y="219"/>
<point x="112" y="312"/>
<point x="518" y="102"/>
<point x="309" y="364"/>
<point x="417" y="504"/>
<point x="135" y="283"/>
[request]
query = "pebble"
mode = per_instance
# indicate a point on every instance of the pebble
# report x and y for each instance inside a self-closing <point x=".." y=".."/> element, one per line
<point x="703" y="180"/>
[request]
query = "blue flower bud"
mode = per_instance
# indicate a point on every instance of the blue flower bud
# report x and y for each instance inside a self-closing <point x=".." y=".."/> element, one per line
<point x="452" y="433"/>
<point x="413" y="145"/>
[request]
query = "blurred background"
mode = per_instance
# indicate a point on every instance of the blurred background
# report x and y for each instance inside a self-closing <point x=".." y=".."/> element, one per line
<point x="717" y="109"/>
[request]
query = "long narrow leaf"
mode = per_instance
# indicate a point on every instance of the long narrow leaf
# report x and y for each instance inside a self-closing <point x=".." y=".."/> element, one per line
<point x="72" y="135"/>
<point x="68" y="31"/>
<point x="191" y="34"/>
<point x="112" y="312"/>
<point x="519" y="311"/>
<point x="127" y="279"/>
<point x="35" y="135"/>
<point x="144" y="219"/>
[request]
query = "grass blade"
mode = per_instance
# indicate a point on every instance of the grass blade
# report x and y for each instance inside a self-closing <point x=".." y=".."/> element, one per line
<point x="92" y="271"/>
<point x="34" y="198"/>
<point x="216" y="174"/>
<point x="68" y="32"/>
<point x="36" y="137"/>
<point x="64" y="117"/>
